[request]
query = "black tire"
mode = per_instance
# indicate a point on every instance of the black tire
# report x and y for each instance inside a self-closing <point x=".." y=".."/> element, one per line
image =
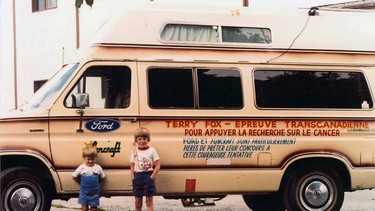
<point x="22" y="189"/>
<point x="314" y="188"/>
<point x="264" y="202"/>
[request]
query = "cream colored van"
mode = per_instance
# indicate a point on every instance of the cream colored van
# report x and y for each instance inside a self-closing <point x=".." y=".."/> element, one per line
<point x="237" y="102"/>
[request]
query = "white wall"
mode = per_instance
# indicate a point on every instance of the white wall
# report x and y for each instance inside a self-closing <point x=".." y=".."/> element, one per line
<point x="6" y="57"/>
<point x="45" y="40"/>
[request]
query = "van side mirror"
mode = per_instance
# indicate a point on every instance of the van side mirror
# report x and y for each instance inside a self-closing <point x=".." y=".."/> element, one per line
<point x="82" y="100"/>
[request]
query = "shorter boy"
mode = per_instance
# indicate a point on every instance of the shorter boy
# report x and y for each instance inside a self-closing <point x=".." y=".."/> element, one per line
<point x="88" y="175"/>
<point x="145" y="165"/>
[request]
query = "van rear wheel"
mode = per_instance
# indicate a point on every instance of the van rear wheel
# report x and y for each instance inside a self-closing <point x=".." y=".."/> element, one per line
<point x="263" y="202"/>
<point x="22" y="189"/>
<point x="317" y="188"/>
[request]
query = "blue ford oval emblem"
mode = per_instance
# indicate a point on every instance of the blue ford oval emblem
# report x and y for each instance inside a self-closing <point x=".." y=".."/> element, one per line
<point x="102" y="125"/>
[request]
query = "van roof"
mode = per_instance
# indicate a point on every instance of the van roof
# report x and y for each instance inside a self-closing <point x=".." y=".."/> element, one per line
<point x="345" y="31"/>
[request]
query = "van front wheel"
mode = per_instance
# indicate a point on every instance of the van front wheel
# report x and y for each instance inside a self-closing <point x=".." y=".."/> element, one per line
<point x="314" y="189"/>
<point x="23" y="189"/>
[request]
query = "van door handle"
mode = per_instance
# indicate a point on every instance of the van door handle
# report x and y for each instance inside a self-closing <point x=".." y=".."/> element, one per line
<point x="131" y="119"/>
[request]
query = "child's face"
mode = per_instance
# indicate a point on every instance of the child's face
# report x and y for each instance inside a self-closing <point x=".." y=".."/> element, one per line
<point x="89" y="161"/>
<point x="142" y="141"/>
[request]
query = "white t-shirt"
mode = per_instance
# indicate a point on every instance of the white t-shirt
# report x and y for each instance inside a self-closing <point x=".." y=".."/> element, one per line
<point x="144" y="159"/>
<point x="85" y="170"/>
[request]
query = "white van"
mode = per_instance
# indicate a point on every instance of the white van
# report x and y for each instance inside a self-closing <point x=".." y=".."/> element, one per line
<point x="237" y="102"/>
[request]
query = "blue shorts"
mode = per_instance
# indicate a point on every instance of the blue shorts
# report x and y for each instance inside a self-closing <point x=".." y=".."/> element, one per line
<point x="143" y="185"/>
<point x="90" y="191"/>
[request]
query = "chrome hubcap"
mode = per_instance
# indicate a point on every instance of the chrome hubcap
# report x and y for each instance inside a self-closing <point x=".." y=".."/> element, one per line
<point x="23" y="196"/>
<point x="22" y="199"/>
<point x="316" y="193"/>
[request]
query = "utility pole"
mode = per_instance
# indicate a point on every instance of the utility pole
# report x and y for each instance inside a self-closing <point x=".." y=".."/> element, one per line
<point x="15" y="54"/>
<point x="245" y="3"/>
<point x="77" y="27"/>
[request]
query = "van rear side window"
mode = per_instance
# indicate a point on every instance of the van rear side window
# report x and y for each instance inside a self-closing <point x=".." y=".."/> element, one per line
<point x="195" y="88"/>
<point x="311" y="89"/>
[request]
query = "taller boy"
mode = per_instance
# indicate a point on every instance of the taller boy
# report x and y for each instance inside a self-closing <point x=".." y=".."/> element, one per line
<point x="145" y="165"/>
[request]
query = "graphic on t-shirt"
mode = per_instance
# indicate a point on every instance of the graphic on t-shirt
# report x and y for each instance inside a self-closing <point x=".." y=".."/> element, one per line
<point x="145" y="165"/>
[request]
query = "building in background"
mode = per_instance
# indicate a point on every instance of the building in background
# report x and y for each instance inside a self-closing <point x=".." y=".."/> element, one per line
<point x="45" y="35"/>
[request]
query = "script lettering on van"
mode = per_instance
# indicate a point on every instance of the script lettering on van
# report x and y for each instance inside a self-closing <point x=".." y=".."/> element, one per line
<point x="99" y="149"/>
<point x="102" y="125"/>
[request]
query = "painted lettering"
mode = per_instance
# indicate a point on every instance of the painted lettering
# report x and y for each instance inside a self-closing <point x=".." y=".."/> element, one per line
<point x="180" y="123"/>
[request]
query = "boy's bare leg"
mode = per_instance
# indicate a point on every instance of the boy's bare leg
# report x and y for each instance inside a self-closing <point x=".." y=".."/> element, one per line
<point x="150" y="203"/>
<point x="138" y="203"/>
<point x="84" y="208"/>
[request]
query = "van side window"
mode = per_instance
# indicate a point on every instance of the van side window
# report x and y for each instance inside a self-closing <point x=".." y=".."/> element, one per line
<point x="107" y="86"/>
<point x="246" y="35"/>
<point x="195" y="88"/>
<point x="219" y="88"/>
<point x="215" y="34"/>
<point x="311" y="89"/>
<point x="189" y="33"/>
<point x="170" y="88"/>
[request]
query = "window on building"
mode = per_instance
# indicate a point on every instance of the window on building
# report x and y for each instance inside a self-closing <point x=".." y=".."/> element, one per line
<point x="312" y="89"/>
<point x="195" y="88"/>
<point x="38" y="84"/>
<point x="215" y="34"/>
<point x="40" y="5"/>
<point x="107" y="86"/>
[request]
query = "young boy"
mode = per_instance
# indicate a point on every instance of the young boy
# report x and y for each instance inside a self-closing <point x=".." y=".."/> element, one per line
<point x="89" y="174"/>
<point x="145" y="165"/>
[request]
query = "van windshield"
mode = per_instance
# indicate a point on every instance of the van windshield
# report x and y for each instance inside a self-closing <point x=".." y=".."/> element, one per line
<point x="47" y="94"/>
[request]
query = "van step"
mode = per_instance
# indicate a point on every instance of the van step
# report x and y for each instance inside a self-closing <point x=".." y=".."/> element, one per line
<point x="197" y="202"/>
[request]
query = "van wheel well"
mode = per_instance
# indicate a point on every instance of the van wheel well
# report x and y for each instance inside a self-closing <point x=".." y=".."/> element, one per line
<point x="331" y="163"/>
<point x="10" y="161"/>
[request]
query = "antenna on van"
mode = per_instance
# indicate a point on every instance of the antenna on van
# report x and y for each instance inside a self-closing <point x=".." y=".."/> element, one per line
<point x="312" y="12"/>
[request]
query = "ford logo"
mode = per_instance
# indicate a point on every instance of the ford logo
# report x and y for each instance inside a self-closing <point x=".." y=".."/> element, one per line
<point x="102" y="125"/>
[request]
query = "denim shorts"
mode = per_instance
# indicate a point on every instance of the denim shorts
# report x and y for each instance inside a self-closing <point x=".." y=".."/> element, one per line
<point x="143" y="185"/>
<point x="90" y="191"/>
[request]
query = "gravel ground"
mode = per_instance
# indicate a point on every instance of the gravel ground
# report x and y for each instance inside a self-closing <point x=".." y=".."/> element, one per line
<point x="355" y="201"/>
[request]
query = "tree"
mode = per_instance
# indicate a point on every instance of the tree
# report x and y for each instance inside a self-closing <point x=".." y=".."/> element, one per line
<point x="80" y="2"/>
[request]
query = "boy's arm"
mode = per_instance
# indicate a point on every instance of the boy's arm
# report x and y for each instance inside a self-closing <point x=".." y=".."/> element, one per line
<point x="75" y="179"/>
<point x="132" y="170"/>
<point x="75" y="175"/>
<point x="156" y="169"/>
<point x="102" y="179"/>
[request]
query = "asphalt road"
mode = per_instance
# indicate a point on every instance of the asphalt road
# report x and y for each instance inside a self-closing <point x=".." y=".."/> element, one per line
<point x="355" y="201"/>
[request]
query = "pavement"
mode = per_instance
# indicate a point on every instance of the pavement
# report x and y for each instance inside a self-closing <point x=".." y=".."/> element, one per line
<point x="355" y="201"/>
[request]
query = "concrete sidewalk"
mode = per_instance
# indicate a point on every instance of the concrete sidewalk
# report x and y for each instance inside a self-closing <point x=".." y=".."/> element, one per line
<point x="355" y="201"/>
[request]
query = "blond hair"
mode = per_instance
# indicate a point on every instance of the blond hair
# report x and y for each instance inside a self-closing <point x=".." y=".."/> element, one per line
<point x="90" y="152"/>
<point x="142" y="132"/>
